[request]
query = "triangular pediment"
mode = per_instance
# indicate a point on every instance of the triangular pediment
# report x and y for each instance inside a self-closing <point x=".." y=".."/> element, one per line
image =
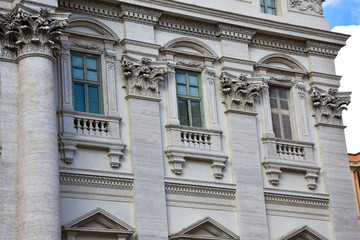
<point x="99" y="221"/>
<point x="303" y="233"/>
<point x="205" y="229"/>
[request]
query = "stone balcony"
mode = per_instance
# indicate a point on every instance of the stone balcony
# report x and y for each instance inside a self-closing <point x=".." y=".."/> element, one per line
<point x="290" y="155"/>
<point x="191" y="143"/>
<point x="78" y="129"/>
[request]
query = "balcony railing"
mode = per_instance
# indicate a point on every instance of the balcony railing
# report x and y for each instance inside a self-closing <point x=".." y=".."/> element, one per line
<point x="290" y="151"/>
<point x="195" y="139"/>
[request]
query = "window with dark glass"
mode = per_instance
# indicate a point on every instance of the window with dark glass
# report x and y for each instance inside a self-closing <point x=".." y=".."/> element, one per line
<point x="189" y="99"/>
<point x="280" y="112"/>
<point x="86" y="83"/>
<point x="268" y="6"/>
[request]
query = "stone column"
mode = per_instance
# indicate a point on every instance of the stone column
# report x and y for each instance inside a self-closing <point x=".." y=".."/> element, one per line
<point x="333" y="155"/>
<point x="244" y="155"/>
<point x="146" y="149"/>
<point x="32" y="37"/>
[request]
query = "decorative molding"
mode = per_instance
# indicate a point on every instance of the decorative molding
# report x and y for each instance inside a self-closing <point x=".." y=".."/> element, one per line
<point x="235" y="33"/>
<point x="203" y="191"/>
<point x="110" y="56"/>
<point x="280" y="78"/>
<point x="96" y="181"/>
<point x="213" y="230"/>
<point x="87" y="45"/>
<point x="25" y="32"/>
<point x="137" y="14"/>
<point x="329" y="105"/>
<point x="278" y="44"/>
<point x="187" y="62"/>
<point x="301" y="201"/>
<point x="98" y="9"/>
<point x="142" y="78"/>
<point x="187" y="27"/>
<point x="304" y="232"/>
<point x="322" y="49"/>
<point x="239" y="92"/>
<point x="307" y="6"/>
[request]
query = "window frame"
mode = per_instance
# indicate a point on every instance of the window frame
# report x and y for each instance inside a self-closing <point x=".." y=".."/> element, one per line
<point x="87" y="83"/>
<point x="280" y="112"/>
<point x="189" y="98"/>
<point x="264" y="7"/>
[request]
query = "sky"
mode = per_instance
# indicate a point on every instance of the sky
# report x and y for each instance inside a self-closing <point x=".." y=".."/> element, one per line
<point x="344" y="17"/>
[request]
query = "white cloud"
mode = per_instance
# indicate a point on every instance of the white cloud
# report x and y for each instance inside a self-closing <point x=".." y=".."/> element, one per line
<point x="330" y="3"/>
<point x="348" y="65"/>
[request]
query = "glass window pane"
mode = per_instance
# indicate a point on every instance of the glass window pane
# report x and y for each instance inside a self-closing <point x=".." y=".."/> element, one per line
<point x="193" y="80"/>
<point x="271" y="11"/>
<point x="93" y="98"/>
<point x="181" y="89"/>
<point x="78" y="73"/>
<point x="194" y="91"/>
<point x="262" y="2"/>
<point x="272" y="92"/>
<point x="79" y="97"/>
<point x="283" y="93"/>
<point x="286" y="126"/>
<point x="276" y="124"/>
<point x="196" y="114"/>
<point x="77" y="61"/>
<point x="263" y="9"/>
<point x="273" y="102"/>
<point x="183" y="112"/>
<point x="91" y="63"/>
<point x="270" y="3"/>
<point x="284" y="104"/>
<point x="180" y="78"/>
<point x="92" y="75"/>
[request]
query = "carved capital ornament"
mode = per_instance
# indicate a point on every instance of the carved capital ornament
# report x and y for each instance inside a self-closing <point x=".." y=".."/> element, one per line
<point x="329" y="105"/>
<point x="25" y="32"/>
<point x="142" y="78"/>
<point x="239" y="93"/>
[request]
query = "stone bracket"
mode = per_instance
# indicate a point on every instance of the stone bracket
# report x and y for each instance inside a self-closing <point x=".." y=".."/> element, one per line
<point x="274" y="168"/>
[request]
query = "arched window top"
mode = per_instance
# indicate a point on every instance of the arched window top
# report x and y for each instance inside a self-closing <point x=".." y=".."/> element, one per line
<point x="82" y="25"/>
<point x="281" y="61"/>
<point x="191" y="46"/>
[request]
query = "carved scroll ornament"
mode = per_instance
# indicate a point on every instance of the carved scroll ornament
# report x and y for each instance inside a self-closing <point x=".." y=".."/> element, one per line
<point x="142" y="78"/>
<point x="239" y="93"/>
<point x="307" y="5"/>
<point x="329" y="105"/>
<point x="28" y="33"/>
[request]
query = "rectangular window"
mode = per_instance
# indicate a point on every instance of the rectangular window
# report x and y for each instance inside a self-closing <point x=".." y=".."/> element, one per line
<point x="189" y="99"/>
<point x="268" y="6"/>
<point x="280" y="112"/>
<point x="86" y="82"/>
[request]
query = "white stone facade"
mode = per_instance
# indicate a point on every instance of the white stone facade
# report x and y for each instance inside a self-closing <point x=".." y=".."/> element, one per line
<point x="131" y="169"/>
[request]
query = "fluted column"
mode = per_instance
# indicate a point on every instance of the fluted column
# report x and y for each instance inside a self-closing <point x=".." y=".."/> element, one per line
<point x="32" y="37"/>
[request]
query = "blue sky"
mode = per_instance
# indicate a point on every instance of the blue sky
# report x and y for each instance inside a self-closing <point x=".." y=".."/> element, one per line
<point x="342" y="12"/>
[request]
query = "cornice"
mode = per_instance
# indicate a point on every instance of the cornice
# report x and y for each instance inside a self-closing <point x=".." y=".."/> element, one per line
<point x="133" y="13"/>
<point x="247" y="21"/>
<point x="201" y="191"/>
<point x="298" y="200"/>
<point x="322" y="49"/>
<point x="96" y="181"/>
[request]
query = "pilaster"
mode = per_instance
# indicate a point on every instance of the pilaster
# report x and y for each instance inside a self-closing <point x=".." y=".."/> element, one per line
<point x="146" y="148"/>
<point x="328" y="107"/>
<point x="244" y="150"/>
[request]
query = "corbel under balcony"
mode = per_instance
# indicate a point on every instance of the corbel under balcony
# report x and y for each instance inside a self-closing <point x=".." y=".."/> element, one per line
<point x="198" y="144"/>
<point x="289" y="155"/>
<point x="78" y="129"/>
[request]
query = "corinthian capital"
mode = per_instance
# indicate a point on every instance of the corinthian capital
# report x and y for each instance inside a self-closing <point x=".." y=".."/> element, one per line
<point x="142" y="78"/>
<point x="239" y="92"/>
<point x="329" y="105"/>
<point x="25" y="32"/>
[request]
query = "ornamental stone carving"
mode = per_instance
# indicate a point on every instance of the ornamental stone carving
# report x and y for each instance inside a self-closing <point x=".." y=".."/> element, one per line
<point x="24" y="32"/>
<point x="142" y="78"/>
<point x="307" y="5"/>
<point x="329" y="105"/>
<point x="239" y="93"/>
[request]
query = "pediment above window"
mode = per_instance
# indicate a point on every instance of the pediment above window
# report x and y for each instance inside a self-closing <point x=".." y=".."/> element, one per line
<point x="303" y="233"/>
<point x="280" y="62"/>
<point x="205" y="229"/>
<point x="98" y="223"/>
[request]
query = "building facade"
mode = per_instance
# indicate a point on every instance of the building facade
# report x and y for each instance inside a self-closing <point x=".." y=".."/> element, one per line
<point x="172" y="119"/>
<point x="354" y="162"/>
